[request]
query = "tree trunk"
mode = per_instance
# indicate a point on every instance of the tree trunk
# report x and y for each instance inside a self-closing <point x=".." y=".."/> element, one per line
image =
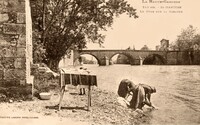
<point x="43" y="22"/>
<point x="53" y="64"/>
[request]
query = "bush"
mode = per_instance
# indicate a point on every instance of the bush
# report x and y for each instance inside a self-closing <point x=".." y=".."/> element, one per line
<point x="15" y="93"/>
<point x="44" y="84"/>
<point x="45" y="80"/>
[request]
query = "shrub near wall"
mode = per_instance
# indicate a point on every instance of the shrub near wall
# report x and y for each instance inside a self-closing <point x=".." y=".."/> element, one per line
<point x="45" y="80"/>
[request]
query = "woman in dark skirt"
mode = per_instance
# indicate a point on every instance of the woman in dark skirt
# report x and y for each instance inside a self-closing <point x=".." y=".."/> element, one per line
<point x="142" y="96"/>
<point x="141" y="93"/>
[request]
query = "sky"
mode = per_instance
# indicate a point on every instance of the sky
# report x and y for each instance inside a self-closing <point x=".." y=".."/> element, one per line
<point x="150" y="27"/>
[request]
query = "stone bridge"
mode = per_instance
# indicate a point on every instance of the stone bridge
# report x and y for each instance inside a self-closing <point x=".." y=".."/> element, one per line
<point x="136" y="57"/>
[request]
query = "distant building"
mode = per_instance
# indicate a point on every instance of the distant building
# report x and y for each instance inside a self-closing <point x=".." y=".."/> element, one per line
<point x="158" y="47"/>
<point x="164" y="45"/>
<point x="66" y="61"/>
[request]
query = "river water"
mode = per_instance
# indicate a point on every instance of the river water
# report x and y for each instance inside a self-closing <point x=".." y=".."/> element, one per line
<point x="178" y="89"/>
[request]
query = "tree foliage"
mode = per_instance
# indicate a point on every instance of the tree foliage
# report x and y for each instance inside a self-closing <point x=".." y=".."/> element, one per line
<point x="145" y="47"/>
<point x="187" y="40"/>
<point x="70" y="24"/>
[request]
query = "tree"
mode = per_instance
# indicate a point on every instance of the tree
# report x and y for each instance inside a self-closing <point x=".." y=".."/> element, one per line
<point x="62" y="25"/>
<point x="185" y="40"/>
<point x="145" y="47"/>
<point x="172" y="46"/>
<point x="196" y="42"/>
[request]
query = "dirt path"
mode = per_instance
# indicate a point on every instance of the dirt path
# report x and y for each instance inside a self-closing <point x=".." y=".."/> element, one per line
<point x="105" y="110"/>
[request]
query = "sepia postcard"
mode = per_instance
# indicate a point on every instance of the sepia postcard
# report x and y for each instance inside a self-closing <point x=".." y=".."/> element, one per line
<point x="99" y="62"/>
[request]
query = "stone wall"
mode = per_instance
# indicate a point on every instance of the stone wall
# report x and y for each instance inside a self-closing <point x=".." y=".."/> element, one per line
<point x="15" y="48"/>
<point x="183" y="58"/>
<point x="196" y="57"/>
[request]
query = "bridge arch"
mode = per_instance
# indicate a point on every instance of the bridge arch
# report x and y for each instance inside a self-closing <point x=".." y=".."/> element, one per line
<point x="130" y="58"/>
<point x="154" y="59"/>
<point x="82" y="54"/>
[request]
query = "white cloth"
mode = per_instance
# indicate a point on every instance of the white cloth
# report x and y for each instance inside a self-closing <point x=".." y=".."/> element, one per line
<point x="123" y="102"/>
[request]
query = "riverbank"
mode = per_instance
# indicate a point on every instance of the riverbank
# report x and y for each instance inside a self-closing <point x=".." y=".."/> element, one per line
<point x="104" y="110"/>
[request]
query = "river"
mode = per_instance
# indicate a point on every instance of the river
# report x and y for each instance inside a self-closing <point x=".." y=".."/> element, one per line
<point x="178" y="89"/>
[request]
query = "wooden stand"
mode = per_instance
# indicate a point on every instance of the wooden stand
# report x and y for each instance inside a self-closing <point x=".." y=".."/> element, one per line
<point x="89" y="97"/>
<point x="62" y="90"/>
